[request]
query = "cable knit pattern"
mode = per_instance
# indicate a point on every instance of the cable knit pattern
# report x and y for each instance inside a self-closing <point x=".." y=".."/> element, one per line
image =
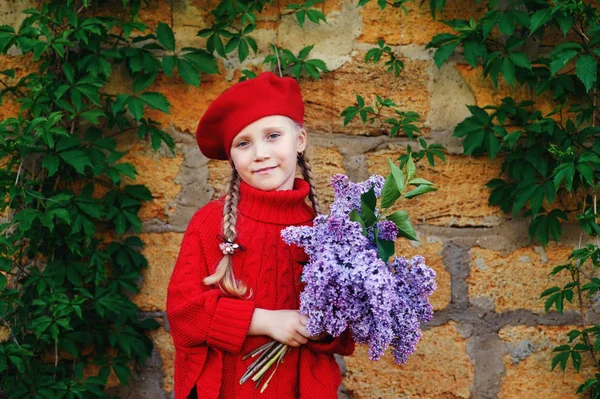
<point x="210" y="330"/>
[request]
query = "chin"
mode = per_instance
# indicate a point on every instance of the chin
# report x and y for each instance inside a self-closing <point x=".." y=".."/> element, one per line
<point x="264" y="185"/>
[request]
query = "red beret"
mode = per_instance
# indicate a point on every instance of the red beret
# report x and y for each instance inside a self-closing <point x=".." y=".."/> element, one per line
<point x="244" y="103"/>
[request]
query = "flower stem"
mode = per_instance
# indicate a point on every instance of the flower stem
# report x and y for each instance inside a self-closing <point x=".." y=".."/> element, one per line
<point x="281" y="349"/>
<point x="258" y="363"/>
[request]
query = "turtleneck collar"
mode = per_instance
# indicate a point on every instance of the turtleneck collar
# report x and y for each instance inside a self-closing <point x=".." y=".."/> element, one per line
<point x="278" y="207"/>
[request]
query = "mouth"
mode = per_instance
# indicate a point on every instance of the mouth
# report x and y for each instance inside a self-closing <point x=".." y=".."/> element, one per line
<point x="265" y="169"/>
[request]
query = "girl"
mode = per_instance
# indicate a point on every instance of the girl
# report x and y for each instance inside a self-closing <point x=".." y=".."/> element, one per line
<point x="236" y="284"/>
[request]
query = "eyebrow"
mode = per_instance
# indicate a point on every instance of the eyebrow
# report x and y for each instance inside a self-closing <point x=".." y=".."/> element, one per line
<point x="265" y="130"/>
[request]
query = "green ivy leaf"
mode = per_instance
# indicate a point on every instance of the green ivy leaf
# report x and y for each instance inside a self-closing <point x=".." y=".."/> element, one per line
<point x="539" y="18"/>
<point x="587" y="70"/>
<point x="508" y="71"/>
<point x="51" y="162"/>
<point x="520" y="59"/>
<point x="165" y="36"/>
<point x="156" y="101"/>
<point x="168" y="63"/>
<point x="203" y="61"/>
<point x="561" y="61"/>
<point x="443" y="53"/>
<point x="78" y="159"/>
<point x="136" y="107"/>
<point x="564" y="172"/>
<point x="190" y="74"/>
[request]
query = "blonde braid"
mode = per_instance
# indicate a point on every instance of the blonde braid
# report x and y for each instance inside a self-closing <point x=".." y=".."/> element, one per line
<point x="223" y="275"/>
<point x="307" y="174"/>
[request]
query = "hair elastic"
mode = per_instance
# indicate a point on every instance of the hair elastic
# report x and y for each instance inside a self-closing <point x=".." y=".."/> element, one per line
<point x="228" y="247"/>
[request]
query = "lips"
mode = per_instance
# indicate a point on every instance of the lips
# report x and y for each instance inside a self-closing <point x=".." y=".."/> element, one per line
<point x="265" y="169"/>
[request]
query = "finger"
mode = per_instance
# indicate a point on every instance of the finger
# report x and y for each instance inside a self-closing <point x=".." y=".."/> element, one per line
<point x="303" y="319"/>
<point x="301" y="339"/>
<point x="302" y="332"/>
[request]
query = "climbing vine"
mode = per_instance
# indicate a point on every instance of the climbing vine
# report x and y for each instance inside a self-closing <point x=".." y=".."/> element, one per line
<point x="69" y="255"/>
<point x="66" y="287"/>
<point x="545" y="155"/>
<point x="70" y="258"/>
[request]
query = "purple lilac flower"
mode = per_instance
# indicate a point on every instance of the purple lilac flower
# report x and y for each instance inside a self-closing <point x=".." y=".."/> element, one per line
<point x="387" y="231"/>
<point x="349" y="286"/>
<point x="347" y="194"/>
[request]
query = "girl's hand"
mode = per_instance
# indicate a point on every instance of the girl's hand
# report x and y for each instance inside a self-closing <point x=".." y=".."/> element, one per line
<point x="288" y="327"/>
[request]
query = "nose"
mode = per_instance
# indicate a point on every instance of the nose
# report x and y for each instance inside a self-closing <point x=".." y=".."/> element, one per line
<point x="262" y="151"/>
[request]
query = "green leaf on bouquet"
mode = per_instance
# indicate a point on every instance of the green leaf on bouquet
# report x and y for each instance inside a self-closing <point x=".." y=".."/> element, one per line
<point x="385" y="248"/>
<point x="390" y="192"/>
<point x="397" y="174"/>
<point x="411" y="169"/>
<point x="368" y="202"/>
<point x="400" y="219"/>
<point x="419" y="181"/>
<point x="355" y="217"/>
<point x="422" y="189"/>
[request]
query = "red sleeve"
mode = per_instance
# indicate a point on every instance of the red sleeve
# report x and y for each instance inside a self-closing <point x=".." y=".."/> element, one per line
<point x="200" y="315"/>
<point x="342" y="345"/>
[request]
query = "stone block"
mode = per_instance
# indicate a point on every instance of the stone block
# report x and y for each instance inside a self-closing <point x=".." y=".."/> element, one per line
<point x="161" y="251"/>
<point x="485" y="93"/>
<point x="164" y="344"/>
<point x="188" y="103"/>
<point x="440" y="368"/>
<point x="417" y="26"/>
<point x="4" y="333"/>
<point x="517" y="279"/>
<point x="528" y="362"/>
<point x="158" y="174"/>
<point x="327" y="97"/>
<point x="23" y="65"/>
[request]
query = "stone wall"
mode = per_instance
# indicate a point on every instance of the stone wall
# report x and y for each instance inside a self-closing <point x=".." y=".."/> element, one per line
<point x="490" y="337"/>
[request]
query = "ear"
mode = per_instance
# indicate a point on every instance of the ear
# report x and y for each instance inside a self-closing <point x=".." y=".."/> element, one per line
<point x="302" y="140"/>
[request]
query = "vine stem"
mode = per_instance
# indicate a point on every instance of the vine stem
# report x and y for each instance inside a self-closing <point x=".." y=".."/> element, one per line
<point x="55" y="356"/>
<point x="596" y="219"/>
<point x="582" y="312"/>
<point x="275" y="46"/>
<point x="10" y="331"/>
<point x="19" y="172"/>
<point x="578" y="261"/>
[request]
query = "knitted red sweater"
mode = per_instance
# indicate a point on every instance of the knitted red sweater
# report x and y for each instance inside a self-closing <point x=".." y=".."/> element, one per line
<point x="209" y="329"/>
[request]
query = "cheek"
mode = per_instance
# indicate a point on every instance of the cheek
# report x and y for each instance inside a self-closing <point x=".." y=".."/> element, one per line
<point x="239" y="158"/>
<point x="288" y="153"/>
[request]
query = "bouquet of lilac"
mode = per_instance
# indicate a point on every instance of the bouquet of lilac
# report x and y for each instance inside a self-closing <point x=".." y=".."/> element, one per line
<point x="349" y="280"/>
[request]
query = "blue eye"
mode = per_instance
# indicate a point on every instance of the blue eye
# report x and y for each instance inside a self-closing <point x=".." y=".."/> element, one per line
<point x="240" y="143"/>
<point x="275" y="133"/>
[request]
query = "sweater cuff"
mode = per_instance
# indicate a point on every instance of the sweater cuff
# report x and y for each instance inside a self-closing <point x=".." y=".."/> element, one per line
<point x="230" y="324"/>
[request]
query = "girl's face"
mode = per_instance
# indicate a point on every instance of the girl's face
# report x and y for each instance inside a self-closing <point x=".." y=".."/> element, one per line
<point x="265" y="152"/>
